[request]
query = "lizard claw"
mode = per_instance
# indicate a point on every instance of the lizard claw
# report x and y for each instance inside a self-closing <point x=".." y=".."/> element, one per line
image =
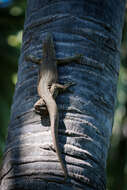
<point x="69" y="84"/>
<point x="79" y="58"/>
<point x="52" y="147"/>
<point x="72" y="83"/>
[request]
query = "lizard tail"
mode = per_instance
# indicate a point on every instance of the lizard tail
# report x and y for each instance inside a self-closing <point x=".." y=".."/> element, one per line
<point x="54" y="122"/>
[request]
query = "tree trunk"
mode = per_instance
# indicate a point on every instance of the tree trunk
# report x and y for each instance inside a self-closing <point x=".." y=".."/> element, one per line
<point x="91" y="28"/>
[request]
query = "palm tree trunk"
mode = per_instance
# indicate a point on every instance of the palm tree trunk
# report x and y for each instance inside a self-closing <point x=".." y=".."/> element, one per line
<point x="91" y="28"/>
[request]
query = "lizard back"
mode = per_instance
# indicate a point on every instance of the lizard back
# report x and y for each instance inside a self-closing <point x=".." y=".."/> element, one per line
<point x="48" y="68"/>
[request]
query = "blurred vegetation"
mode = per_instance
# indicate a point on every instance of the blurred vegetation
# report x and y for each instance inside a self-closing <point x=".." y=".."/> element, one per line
<point x="117" y="160"/>
<point x="11" y="24"/>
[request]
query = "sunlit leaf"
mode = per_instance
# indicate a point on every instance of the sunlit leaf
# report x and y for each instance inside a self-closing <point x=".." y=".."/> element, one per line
<point x="16" y="11"/>
<point x="15" y="40"/>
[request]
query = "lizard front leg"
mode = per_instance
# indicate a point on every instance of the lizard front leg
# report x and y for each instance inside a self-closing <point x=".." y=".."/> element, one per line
<point x="33" y="59"/>
<point x="76" y="58"/>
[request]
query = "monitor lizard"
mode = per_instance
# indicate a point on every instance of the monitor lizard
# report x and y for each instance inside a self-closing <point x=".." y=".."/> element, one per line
<point x="47" y="87"/>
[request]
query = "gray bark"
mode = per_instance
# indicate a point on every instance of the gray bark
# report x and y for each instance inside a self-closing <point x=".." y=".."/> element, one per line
<point x="89" y="27"/>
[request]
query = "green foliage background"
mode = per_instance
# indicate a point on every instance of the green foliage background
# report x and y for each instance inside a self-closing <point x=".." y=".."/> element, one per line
<point x="11" y="26"/>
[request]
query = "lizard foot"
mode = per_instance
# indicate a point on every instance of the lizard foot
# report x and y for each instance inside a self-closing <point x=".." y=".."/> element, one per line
<point x="67" y="85"/>
<point x="40" y="107"/>
<point x="52" y="147"/>
<point x="41" y="110"/>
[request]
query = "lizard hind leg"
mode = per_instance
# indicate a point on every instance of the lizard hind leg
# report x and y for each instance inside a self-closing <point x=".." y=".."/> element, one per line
<point x="40" y="107"/>
<point x="55" y="88"/>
